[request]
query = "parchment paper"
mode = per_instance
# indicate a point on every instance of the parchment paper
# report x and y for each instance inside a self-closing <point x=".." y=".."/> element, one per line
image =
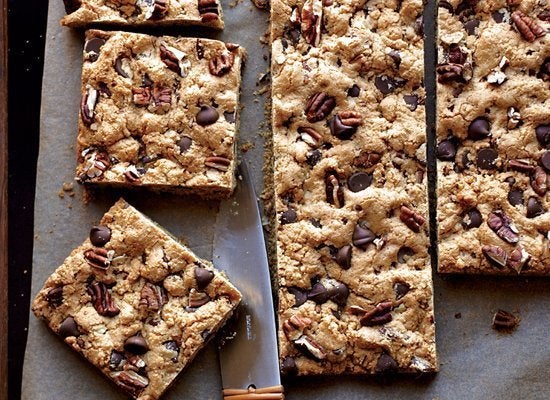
<point x="476" y="361"/>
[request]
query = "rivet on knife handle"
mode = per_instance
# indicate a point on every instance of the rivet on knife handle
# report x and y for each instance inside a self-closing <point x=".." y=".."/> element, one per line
<point x="267" y="393"/>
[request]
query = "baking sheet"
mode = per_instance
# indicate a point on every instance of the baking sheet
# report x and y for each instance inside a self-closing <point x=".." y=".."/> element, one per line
<point x="476" y="361"/>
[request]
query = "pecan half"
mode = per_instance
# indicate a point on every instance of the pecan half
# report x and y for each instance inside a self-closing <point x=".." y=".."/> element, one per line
<point x="319" y="106"/>
<point x="141" y="96"/>
<point x="518" y="258"/>
<point x="294" y="327"/>
<point x="527" y="26"/>
<point x="95" y="164"/>
<point x="450" y="73"/>
<point x="521" y="166"/>
<point x="311" y="18"/>
<point x="411" y="218"/>
<point x="152" y="297"/>
<point x="378" y="315"/>
<point x="99" y="258"/>
<point x="367" y="160"/>
<point x="503" y="226"/>
<point x="208" y="10"/>
<point x="156" y="9"/>
<point x="504" y="320"/>
<point x="162" y="96"/>
<point x="539" y="181"/>
<point x="130" y="381"/>
<point x="310" y="348"/>
<point x="221" y="64"/>
<point x="334" y="191"/>
<point x="344" y="124"/>
<point x="309" y="135"/>
<point x="495" y="255"/>
<point x="514" y="118"/>
<point x="175" y="59"/>
<point x="132" y="174"/>
<point x="197" y="299"/>
<point x="219" y="163"/>
<point x="87" y="105"/>
<point x="102" y="300"/>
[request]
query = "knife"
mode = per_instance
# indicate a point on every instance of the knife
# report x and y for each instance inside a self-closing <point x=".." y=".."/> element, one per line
<point x="249" y="360"/>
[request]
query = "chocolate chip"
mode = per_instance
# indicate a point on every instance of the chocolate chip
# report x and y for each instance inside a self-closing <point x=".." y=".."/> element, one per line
<point x="115" y="359"/>
<point x="344" y="124"/>
<point x="498" y="17"/>
<point x="184" y="144"/>
<point x="479" y="129"/>
<point x="446" y="5"/>
<point x="55" y="296"/>
<point x="404" y="254"/>
<point x="396" y="57"/>
<point x="313" y="157"/>
<point x="121" y="63"/>
<point x="534" y="207"/>
<point x="385" y="84"/>
<point x="100" y="235"/>
<point x="386" y="364"/>
<point x="545" y="160"/>
<point x="472" y="219"/>
<point x="71" y="5"/>
<point x="419" y="25"/>
<point x="173" y="346"/>
<point x="543" y="134"/>
<point x="486" y="158"/>
<point x="471" y="26"/>
<point x="354" y="91"/>
<point x="207" y="115"/>
<point x="411" y="100"/>
<point x="401" y="289"/>
<point x="289" y="367"/>
<point x="300" y="296"/>
<point x="229" y="116"/>
<point x="339" y="293"/>
<point x="362" y="236"/>
<point x="359" y="181"/>
<point x="343" y="257"/>
<point x="289" y="216"/>
<point x="446" y="150"/>
<point x="203" y="277"/>
<point x="136" y="345"/>
<point x="68" y="328"/>
<point x="92" y="48"/>
<point x="318" y="293"/>
<point x="146" y="81"/>
<point x="515" y="197"/>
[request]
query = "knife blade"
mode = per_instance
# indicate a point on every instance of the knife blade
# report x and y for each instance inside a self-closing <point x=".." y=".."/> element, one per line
<point x="249" y="361"/>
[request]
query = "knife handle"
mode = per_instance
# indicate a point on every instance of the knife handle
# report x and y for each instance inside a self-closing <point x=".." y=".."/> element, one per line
<point x="267" y="393"/>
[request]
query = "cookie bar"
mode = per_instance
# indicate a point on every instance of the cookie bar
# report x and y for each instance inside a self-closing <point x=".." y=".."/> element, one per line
<point x="493" y="130"/>
<point x="355" y="287"/>
<point x="81" y="13"/>
<point x="159" y="112"/>
<point x="135" y="303"/>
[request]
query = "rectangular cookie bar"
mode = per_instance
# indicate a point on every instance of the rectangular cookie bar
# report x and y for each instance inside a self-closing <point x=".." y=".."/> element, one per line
<point x="81" y="13"/>
<point x="493" y="137"/>
<point x="355" y="285"/>
<point x="135" y="303"/>
<point x="159" y="112"/>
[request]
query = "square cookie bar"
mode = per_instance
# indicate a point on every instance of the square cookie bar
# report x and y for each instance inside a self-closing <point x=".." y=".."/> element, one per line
<point x="493" y="132"/>
<point x="355" y="284"/>
<point x="159" y="112"/>
<point x="134" y="302"/>
<point x="82" y="13"/>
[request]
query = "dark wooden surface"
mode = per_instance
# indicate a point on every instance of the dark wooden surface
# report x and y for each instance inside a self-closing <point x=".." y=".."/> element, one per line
<point x="4" y="203"/>
<point x="26" y="29"/>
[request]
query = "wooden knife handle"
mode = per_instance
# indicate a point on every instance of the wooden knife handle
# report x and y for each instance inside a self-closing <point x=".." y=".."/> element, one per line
<point x="252" y="393"/>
